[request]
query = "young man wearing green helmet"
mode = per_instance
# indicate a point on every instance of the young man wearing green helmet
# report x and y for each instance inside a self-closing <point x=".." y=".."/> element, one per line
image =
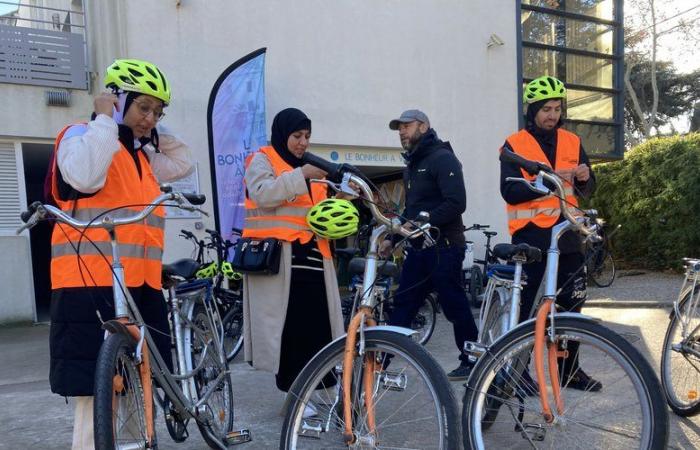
<point x="115" y="160"/>
<point x="532" y="216"/>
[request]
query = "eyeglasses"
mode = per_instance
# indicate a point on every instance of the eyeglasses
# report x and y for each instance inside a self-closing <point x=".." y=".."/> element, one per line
<point x="145" y="110"/>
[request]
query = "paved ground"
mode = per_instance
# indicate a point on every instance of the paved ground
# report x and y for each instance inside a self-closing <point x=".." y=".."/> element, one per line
<point x="31" y="417"/>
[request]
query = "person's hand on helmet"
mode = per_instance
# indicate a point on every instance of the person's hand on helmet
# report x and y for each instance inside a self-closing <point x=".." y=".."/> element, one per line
<point x="105" y="103"/>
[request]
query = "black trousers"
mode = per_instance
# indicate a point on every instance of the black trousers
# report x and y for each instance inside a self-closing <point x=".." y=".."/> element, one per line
<point x="307" y="328"/>
<point x="572" y="277"/>
<point x="436" y="268"/>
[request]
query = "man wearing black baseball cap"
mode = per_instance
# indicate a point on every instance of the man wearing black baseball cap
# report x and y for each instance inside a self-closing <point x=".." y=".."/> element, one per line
<point x="433" y="183"/>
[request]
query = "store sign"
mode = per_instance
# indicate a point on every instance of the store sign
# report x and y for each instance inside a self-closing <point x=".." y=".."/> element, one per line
<point x="359" y="157"/>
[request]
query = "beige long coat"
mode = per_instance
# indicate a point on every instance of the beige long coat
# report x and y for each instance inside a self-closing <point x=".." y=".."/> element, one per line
<point x="265" y="297"/>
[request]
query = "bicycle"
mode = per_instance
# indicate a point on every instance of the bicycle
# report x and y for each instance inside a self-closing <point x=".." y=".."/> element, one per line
<point x="128" y="362"/>
<point x="426" y="317"/>
<point x="600" y="263"/>
<point x="638" y="419"/>
<point x="229" y="299"/>
<point x="474" y="276"/>
<point x="680" y="357"/>
<point x="365" y="387"/>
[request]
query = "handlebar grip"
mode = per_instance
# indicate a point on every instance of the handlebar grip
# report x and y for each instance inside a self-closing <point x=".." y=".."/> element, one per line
<point x="212" y="233"/>
<point x="531" y="167"/>
<point x="237" y="231"/>
<point x="195" y="199"/>
<point x="333" y="169"/>
<point x="187" y="234"/>
<point x="26" y="215"/>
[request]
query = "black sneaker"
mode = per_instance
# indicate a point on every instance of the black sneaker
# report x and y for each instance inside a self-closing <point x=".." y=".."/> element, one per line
<point x="582" y="382"/>
<point x="460" y="373"/>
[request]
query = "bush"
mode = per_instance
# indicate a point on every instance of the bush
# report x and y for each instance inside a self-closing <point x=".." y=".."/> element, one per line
<point x="654" y="193"/>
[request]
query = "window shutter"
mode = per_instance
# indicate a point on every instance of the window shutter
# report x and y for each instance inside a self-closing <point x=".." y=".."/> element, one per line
<point x="9" y="188"/>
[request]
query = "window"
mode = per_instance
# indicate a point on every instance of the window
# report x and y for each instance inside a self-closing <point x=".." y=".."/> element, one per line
<point x="580" y="42"/>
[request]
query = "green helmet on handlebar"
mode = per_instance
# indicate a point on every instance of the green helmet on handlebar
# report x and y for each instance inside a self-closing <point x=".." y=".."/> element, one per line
<point x="229" y="272"/>
<point x="208" y="271"/>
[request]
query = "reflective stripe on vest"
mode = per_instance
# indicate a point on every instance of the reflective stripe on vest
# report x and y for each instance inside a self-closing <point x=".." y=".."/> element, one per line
<point x="287" y="221"/>
<point x="545" y="211"/>
<point x="140" y="244"/>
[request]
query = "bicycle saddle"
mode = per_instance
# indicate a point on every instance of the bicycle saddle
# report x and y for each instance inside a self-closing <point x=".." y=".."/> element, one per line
<point x="347" y="252"/>
<point x="183" y="268"/>
<point x="490" y="233"/>
<point x="509" y="251"/>
<point x="356" y="266"/>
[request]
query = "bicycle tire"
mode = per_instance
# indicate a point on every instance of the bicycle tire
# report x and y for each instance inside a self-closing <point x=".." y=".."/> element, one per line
<point x="476" y="285"/>
<point x="425" y="320"/>
<point x="653" y="420"/>
<point x="602" y="268"/>
<point x="675" y="402"/>
<point x="220" y="413"/>
<point x="377" y="342"/>
<point x="233" y="331"/>
<point x="497" y="311"/>
<point x="117" y="352"/>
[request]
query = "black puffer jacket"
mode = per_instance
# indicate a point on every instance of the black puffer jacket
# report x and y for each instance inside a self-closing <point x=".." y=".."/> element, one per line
<point x="434" y="183"/>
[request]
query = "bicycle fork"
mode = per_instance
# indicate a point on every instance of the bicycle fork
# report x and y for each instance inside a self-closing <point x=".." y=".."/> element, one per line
<point x="362" y="318"/>
<point x="553" y="352"/>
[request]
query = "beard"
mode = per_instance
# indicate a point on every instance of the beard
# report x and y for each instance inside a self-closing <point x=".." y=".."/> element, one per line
<point x="412" y="141"/>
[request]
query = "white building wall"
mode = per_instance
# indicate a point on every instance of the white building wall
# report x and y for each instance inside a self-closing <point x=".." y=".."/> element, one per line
<point x="350" y="65"/>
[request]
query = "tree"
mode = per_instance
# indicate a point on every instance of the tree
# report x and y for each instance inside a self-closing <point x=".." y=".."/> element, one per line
<point x="644" y="33"/>
<point x="677" y="94"/>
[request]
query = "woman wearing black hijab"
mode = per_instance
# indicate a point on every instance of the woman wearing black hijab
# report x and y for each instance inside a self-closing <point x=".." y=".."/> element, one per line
<point x="290" y="316"/>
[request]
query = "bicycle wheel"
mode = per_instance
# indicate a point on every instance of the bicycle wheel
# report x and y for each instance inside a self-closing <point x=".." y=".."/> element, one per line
<point x="602" y="267"/>
<point x="497" y="317"/>
<point x="212" y="380"/>
<point x="424" y="322"/>
<point x="413" y="402"/>
<point x="233" y="331"/>
<point x="680" y="358"/>
<point x="119" y="418"/>
<point x="476" y="285"/>
<point x="627" y="412"/>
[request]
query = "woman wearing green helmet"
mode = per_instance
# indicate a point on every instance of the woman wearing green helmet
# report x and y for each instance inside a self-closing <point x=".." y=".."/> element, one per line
<point x="290" y="316"/>
<point x="532" y="216"/>
<point x="114" y="160"/>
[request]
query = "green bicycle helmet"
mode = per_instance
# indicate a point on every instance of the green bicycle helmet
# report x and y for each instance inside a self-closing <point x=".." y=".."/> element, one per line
<point x="228" y="272"/>
<point x="333" y="218"/>
<point x="139" y="76"/>
<point x="208" y="271"/>
<point x="543" y="88"/>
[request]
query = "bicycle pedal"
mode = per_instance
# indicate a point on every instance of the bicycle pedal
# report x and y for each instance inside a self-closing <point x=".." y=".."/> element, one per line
<point x="393" y="381"/>
<point x="238" y="437"/>
<point x="311" y="428"/>
<point x="536" y="433"/>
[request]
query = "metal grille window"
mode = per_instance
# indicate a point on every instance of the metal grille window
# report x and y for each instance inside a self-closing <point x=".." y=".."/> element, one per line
<point x="581" y="43"/>
<point x="44" y="46"/>
<point x="9" y="188"/>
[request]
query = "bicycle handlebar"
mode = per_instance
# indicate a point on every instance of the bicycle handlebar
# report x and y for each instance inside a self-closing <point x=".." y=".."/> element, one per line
<point x="585" y="225"/>
<point x="347" y="174"/>
<point x="38" y="211"/>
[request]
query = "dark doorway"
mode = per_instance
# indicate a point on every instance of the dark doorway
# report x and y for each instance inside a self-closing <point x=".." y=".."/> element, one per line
<point x="36" y="164"/>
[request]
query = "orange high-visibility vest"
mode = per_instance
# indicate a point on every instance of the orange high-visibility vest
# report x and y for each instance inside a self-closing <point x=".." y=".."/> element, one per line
<point x="544" y="211"/>
<point x="288" y="220"/>
<point x="140" y="244"/>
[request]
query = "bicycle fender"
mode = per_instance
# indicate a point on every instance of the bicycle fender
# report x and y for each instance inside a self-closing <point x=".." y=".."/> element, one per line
<point x="116" y="327"/>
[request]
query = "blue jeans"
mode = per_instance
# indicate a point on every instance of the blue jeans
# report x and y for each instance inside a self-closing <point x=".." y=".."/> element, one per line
<point x="437" y="269"/>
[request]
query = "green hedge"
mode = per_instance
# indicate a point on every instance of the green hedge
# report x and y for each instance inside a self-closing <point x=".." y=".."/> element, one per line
<point x="654" y="193"/>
